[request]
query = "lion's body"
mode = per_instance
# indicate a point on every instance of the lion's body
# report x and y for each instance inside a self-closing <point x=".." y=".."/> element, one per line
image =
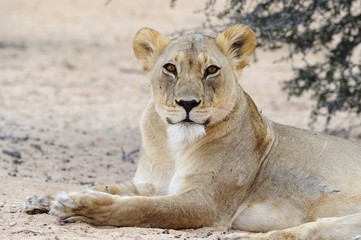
<point x="210" y="159"/>
<point x="304" y="177"/>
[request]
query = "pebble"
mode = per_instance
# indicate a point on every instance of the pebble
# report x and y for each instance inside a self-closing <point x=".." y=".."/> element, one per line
<point x="2" y="204"/>
<point x="12" y="224"/>
<point x="12" y="153"/>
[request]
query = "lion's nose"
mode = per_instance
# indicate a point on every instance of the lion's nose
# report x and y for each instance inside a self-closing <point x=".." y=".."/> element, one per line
<point x="188" y="105"/>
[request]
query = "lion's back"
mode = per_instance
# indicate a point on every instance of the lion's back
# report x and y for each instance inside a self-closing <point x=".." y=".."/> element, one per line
<point x="329" y="157"/>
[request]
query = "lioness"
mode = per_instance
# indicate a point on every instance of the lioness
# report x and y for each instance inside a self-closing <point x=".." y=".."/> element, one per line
<point x="209" y="158"/>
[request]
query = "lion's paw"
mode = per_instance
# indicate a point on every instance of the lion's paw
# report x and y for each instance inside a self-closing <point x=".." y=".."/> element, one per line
<point x="88" y="206"/>
<point x="65" y="205"/>
<point x="37" y="204"/>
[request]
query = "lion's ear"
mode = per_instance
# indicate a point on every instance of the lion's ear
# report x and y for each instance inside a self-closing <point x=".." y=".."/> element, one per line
<point x="238" y="43"/>
<point x="148" y="44"/>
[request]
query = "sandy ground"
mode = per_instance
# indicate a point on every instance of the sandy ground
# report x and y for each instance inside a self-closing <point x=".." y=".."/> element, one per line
<point x="71" y="95"/>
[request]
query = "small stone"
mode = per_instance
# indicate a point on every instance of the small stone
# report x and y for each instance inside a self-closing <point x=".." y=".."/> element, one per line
<point x="12" y="153"/>
<point x="12" y="224"/>
<point x="18" y="162"/>
<point x="2" y="204"/>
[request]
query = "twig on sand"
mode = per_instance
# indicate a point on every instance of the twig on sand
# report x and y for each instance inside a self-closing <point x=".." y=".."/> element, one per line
<point x="128" y="156"/>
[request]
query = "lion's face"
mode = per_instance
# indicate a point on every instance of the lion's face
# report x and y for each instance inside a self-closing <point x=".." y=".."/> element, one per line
<point x="194" y="77"/>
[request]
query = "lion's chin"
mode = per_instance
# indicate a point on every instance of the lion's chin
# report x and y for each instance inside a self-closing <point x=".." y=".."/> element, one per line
<point x="185" y="132"/>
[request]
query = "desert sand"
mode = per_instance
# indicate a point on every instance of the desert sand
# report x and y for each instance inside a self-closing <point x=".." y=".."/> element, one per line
<point x="71" y="96"/>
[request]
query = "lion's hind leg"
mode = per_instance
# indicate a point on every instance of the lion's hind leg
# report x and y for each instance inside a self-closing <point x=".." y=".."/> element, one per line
<point x="37" y="204"/>
<point x="335" y="228"/>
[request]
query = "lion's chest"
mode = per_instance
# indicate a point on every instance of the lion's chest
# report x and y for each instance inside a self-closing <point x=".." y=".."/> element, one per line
<point x="174" y="184"/>
<point x="178" y="154"/>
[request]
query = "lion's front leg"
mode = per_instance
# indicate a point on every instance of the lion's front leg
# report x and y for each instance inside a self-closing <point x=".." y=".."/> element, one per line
<point x="97" y="208"/>
<point x="127" y="189"/>
<point x="41" y="204"/>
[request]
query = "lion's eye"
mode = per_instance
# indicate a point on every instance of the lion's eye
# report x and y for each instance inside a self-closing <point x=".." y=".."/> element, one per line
<point x="171" y="68"/>
<point x="211" y="70"/>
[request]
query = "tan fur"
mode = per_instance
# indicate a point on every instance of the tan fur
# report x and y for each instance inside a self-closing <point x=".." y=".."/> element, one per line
<point x="228" y="166"/>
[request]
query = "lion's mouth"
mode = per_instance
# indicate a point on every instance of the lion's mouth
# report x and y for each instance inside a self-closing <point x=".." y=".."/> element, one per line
<point x="188" y="121"/>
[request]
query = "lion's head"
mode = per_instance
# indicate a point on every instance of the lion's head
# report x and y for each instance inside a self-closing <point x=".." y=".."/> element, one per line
<point x="194" y="77"/>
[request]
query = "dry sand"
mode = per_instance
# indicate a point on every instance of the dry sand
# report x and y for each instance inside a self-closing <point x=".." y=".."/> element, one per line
<point x="71" y="95"/>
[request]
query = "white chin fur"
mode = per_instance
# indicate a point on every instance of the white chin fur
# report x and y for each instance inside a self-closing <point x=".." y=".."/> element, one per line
<point x="185" y="132"/>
